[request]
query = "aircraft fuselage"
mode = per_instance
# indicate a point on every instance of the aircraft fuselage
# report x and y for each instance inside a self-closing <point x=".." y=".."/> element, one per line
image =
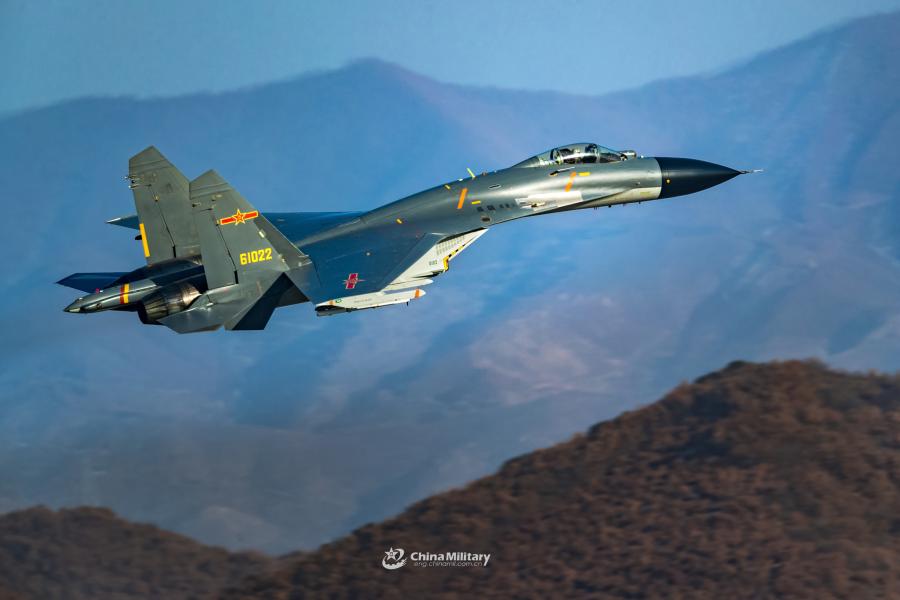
<point x="206" y="262"/>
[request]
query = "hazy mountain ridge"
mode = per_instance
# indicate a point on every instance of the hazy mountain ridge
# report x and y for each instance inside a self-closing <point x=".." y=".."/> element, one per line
<point x="758" y="480"/>
<point x="315" y="426"/>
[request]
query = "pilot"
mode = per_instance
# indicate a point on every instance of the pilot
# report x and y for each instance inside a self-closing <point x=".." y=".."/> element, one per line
<point x="570" y="157"/>
<point x="612" y="157"/>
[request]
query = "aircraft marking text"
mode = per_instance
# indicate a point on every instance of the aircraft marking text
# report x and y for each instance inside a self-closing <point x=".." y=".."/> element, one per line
<point x="255" y="256"/>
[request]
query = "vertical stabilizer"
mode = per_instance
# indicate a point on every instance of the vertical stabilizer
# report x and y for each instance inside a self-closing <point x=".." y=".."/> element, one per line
<point x="238" y="244"/>
<point x="245" y="258"/>
<point x="162" y="198"/>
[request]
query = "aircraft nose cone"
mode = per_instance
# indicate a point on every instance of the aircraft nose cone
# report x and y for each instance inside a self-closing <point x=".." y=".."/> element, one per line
<point x="682" y="176"/>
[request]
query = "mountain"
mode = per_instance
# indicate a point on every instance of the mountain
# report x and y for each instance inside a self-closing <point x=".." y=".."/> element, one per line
<point x="90" y="553"/>
<point x="756" y="481"/>
<point x="293" y="436"/>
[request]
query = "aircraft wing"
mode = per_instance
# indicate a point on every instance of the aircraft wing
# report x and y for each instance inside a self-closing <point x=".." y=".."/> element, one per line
<point x="371" y="255"/>
<point x="90" y="282"/>
<point x="378" y="265"/>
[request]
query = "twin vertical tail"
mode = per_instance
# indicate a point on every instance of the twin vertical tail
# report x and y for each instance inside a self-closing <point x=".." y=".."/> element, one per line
<point x="250" y="266"/>
<point x="237" y="243"/>
<point x="162" y="198"/>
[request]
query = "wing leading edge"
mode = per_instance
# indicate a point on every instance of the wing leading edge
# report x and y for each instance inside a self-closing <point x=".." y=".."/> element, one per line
<point x="90" y="282"/>
<point x="379" y="266"/>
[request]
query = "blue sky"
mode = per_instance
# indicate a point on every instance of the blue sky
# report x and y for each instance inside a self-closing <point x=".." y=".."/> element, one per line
<point x="539" y="331"/>
<point x="54" y="50"/>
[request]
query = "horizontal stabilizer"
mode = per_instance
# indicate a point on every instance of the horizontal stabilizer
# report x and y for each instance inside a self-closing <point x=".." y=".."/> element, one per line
<point x="90" y="282"/>
<point x="129" y="221"/>
<point x="257" y="315"/>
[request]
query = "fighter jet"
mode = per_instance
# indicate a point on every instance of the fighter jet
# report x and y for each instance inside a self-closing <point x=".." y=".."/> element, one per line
<point x="214" y="260"/>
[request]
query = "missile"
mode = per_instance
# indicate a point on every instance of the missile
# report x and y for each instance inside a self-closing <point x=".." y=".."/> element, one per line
<point x="113" y="298"/>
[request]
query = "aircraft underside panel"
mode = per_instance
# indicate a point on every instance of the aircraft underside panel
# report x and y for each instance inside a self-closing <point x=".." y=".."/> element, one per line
<point x="435" y="261"/>
<point x="362" y="262"/>
<point x="406" y="285"/>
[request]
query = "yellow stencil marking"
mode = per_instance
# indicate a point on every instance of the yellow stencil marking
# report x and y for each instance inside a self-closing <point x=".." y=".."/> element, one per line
<point x="569" y="184"/>
<point x="447" y="186"/>
<point x="255" y="256"/>
<point x="584" y="173"/>
<point x="400" y="221"/>
<point x="470" y="172"/>
<point x="125" y="293"/>
<point x="476" y="201"/>
<point x="462" y="198"/>
<point x="144" y="240"/>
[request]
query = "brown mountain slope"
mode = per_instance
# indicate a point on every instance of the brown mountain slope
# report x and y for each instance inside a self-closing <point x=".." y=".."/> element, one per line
<point x="91" y="553"/>
<point x="760" y="480"/>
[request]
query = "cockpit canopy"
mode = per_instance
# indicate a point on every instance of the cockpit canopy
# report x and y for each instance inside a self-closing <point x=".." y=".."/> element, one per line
<point x="574" y="154"/>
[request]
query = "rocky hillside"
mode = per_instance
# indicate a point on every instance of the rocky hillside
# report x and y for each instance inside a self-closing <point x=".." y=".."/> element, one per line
<point x="90" y="553"/>
<point x="760" y="480"/>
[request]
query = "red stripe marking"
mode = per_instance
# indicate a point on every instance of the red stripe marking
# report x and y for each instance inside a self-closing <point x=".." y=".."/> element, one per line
<point x="239" y="217"/>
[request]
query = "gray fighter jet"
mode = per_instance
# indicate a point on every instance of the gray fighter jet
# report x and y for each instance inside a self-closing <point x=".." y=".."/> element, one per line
<point x="214" y="260"/>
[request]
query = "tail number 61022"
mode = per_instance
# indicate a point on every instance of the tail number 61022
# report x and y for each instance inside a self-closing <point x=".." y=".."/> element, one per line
<point x="255" y="256"/>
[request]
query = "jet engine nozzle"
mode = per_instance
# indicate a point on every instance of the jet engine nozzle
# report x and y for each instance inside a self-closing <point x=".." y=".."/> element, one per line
<point x="166" y="301"/>
<point x="682" y="176"/>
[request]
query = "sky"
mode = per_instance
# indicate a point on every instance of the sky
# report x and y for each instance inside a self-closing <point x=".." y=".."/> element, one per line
<point x="55" y="49"/>
<point x="653" y="297"/>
